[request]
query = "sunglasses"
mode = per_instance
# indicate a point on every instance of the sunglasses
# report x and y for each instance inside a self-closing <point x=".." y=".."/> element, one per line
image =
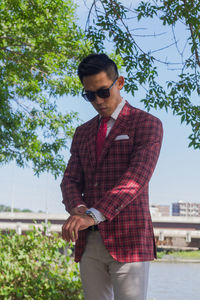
<point x="102" y="93"/>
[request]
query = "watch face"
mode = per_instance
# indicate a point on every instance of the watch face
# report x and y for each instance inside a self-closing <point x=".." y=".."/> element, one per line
<point x="89" y="213"/>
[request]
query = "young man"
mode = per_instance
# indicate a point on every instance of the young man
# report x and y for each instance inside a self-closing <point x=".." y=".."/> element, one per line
<point x="105" y="188"/>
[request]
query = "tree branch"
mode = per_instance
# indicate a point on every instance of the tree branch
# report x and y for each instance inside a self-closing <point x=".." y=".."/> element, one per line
<point x="194" y="42"/>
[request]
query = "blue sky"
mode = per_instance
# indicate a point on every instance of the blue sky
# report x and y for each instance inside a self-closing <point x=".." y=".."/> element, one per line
<point x="176" y="177"/>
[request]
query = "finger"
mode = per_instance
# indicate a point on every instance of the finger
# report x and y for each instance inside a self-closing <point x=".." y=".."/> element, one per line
<point x="76" y="230"/>
<point x="73" y="229"/>
<point x="64" y="232"/>
<point x="65" y="227"/>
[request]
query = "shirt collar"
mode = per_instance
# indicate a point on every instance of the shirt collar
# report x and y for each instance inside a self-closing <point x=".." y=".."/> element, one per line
<point x="118" y="109"/>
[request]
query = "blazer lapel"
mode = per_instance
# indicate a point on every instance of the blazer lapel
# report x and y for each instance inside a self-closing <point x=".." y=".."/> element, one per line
<point x="91" y="140"/>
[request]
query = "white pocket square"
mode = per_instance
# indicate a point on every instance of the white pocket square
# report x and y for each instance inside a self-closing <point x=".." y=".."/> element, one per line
<point x="122" y="137"/>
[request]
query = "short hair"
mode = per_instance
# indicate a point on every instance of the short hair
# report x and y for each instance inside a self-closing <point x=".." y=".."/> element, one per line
<point x="96" y="63"/>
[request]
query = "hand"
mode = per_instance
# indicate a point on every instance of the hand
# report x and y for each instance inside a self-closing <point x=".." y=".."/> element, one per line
<point x="74" y="224"/>
<point x="79" y="210"/>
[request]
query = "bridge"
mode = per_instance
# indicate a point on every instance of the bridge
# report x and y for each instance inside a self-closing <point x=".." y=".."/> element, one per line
<point x="177" y="232"/>
<point x="170" y="232"/>
<point x="22" y="222"/>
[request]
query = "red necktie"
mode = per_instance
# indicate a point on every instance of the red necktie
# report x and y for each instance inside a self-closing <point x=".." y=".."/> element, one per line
<point x="101" y="135"/>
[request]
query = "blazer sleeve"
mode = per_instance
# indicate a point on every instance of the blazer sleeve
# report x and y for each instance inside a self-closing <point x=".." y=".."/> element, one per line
<point x="73" y="181"/>
<point x="147" y="144"/>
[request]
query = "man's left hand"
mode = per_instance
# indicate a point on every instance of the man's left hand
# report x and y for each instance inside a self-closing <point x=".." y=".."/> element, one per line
<point x="74" y="224"/>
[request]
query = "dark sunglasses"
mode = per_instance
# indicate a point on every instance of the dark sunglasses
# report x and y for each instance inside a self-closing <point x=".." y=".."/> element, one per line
<point x="102" y="93"/>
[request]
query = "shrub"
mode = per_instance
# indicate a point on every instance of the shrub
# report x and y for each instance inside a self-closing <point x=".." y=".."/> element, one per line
<point x="32" y="267"/>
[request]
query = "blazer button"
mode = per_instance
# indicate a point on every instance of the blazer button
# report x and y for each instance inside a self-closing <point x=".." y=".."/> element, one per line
<point x="96" y="184"/>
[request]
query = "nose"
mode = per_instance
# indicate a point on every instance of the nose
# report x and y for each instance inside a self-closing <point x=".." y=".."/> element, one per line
<point x="99" y="100"/>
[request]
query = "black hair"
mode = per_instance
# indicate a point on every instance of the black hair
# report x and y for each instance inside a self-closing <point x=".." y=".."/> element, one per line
<point x="96" y="63"/>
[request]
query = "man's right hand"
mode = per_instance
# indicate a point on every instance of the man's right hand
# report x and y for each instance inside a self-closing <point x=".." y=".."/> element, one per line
<point x="74" y="224"/>
<point x="79" y="210"/>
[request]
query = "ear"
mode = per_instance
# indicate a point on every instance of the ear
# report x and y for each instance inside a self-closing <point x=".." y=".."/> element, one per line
<point x="120" y="82"/>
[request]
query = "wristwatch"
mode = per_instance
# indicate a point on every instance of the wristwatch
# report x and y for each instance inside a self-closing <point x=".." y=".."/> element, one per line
<point x="90" y="213"/>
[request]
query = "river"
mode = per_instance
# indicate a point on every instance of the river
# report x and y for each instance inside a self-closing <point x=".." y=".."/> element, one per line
<point x="174" y="281"/>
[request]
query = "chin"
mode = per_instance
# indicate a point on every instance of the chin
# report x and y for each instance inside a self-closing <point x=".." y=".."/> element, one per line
<point x="104" y="114"/>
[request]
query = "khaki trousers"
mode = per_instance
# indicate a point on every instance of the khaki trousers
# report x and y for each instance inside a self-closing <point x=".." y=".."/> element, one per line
<point x="104" y="278"/>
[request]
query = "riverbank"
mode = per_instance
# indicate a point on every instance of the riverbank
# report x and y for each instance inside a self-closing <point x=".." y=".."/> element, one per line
<point x="179" y="256"/>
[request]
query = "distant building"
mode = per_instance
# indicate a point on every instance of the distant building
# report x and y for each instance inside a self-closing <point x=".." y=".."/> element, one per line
<point x="158" y="210"/>
<point x="186" y="209"/>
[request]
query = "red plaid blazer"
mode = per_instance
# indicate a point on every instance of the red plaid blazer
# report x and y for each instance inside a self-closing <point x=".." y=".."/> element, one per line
<point x="118" y="185"/>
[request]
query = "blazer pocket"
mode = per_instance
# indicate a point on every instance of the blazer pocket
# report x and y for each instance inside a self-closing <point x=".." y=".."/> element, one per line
<point x="122" y="142"/>
<point x="122" y="148"/>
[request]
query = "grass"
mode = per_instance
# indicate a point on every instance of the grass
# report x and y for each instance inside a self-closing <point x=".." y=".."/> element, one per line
<point x="180" y="254"/>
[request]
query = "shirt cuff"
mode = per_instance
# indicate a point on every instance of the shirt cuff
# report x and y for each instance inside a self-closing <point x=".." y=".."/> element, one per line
<point x="98" y="215"/>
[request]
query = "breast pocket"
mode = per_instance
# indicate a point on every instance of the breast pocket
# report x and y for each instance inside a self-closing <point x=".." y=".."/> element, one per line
<point x="121" y="150"/>
<point x="122" y="145"/>
<point x="118" y="159"/>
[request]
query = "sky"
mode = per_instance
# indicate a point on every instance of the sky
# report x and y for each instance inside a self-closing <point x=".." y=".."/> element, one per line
<point x="176" y="176"/>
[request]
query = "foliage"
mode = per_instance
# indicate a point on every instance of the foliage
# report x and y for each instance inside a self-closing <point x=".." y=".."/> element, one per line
<point x="40" y="48"/>
<point x="111" y="21"/>
<point x="31" y="267"/>
<point x="4" y="208"/>
<point x="190" y="254"/>
<point x="186" y="254"/>
<point x="160" y="254"/>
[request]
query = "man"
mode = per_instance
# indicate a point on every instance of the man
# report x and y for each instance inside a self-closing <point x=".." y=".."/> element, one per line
<point x="105" y="188"/>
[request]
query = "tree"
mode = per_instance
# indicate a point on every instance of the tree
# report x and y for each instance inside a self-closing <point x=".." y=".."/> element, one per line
<point x="40" y="47"/>
<point x="111" y="21"/>
<point x="4" y="208"/>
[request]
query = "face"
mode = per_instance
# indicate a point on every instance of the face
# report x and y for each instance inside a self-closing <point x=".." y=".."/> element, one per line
<point x="104" y="106"/>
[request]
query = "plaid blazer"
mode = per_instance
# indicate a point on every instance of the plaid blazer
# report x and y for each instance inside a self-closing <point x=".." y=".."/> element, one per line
<point x="118" y="184"/>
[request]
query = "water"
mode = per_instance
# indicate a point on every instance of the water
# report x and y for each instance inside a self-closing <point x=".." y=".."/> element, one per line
<point x="174" y="281"/>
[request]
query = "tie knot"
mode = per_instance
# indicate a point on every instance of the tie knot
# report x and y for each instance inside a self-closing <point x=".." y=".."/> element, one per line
<point x="104" y="120"/>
